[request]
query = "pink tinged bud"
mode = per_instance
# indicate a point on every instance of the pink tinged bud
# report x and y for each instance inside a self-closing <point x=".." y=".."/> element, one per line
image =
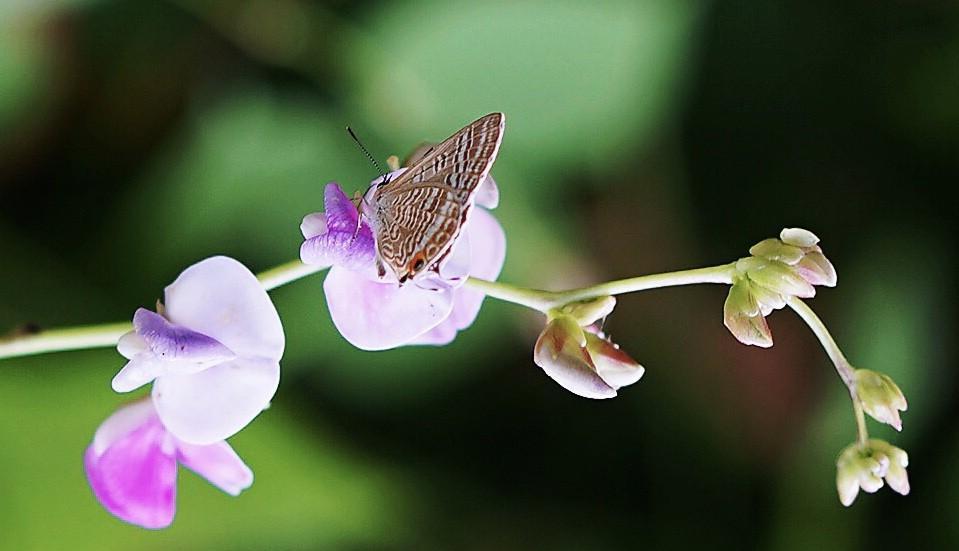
<point x="798" y="237"/>
<point x="561" y="351"/>
<point x="817" y="269"/>
<point x="583" y="363"/>
<point x="613" y="365"/>
<point x="743" y="316"/>
<point x="880" y="397"/>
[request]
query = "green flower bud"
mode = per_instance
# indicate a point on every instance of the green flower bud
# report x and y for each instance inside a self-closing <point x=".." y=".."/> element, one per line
<point x="743" y="316"/>
<point x="587" y="312"/>
<point x="880" y="397"/>
<point x="798" y="237"/>
<point x="864" y="466"/>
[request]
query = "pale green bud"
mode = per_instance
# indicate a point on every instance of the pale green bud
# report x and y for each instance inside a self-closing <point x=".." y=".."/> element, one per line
<point x="774" y="249"/>
<point x="798" y="237"/>
<point x="866" y="466"/>
<point x="880" y="397"/>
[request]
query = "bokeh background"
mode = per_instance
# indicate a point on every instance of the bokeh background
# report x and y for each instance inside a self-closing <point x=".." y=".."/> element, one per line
<point x="139" y="137"/>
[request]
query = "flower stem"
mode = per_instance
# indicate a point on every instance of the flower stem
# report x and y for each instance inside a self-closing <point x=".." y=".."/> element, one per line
<point x="70" y="338"/>
<point x="287" y="273"/>
<point x="843" y="367"/>
<point x="107" y="335"/>
<point x="544" y="301"/>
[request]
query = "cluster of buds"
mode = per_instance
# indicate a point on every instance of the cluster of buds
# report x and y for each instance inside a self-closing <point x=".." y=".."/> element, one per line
<point x="576" y="354"/>
<point x="866" y="465"/>
<point x="776" y="270"/>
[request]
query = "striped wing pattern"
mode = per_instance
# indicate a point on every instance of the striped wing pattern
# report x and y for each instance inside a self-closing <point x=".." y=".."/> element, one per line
<point x="420" y="214"/>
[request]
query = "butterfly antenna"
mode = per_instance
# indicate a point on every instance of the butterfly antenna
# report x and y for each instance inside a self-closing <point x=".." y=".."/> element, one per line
<point x="363" y="148"/>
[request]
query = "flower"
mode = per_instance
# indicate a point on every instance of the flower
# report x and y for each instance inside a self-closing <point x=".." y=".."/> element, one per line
<point x="866" y="465"/>
<point x="880" y="397"/>
<point x="374" y="312"/>
<point x="132" y="466"/>
<point x="776" y="270"/>
<point x="584" y="361"/>
<point x="212" y="350"/>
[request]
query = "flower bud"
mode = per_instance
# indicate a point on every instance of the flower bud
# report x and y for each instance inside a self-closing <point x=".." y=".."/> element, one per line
<point x="744" y="318"/>
<point x="866" y="465"/>
<point x="582" y="362"/>
<point x="587" y="312"/>
<point x="880" y="397"/>
<point x="776" y="270"/>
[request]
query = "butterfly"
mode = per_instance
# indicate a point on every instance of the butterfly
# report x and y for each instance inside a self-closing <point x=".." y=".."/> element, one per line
<point x="417" y="216"/>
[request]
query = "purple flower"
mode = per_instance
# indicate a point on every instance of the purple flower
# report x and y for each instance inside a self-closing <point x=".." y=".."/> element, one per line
<point x="376" y="313"/>
<point x="132" y="465"/>
<point x="212" y="351"/>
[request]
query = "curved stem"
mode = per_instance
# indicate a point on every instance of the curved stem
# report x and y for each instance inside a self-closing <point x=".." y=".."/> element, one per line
<point x="843" y="367"/>
<point x="544" y="301"/>
<point x="845" y="370"/>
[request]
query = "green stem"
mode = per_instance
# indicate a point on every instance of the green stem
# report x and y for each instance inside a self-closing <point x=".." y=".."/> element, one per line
<point x="544" y="301"/>
<point x="70" y="338"/>
<point x="107" y="335"/>
<point x="846" y="371"/>
<point x="287" y="273"/>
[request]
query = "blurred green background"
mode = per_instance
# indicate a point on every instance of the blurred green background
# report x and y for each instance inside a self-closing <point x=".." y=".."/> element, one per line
<point x="139" y="137"/>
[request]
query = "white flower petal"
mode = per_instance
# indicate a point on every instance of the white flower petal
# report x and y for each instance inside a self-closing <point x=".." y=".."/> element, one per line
<point x="131" y="344"/>
<point x="137" y="372"/>
<point x="214" y="404"/>
<point x="221" y="298"/>
<point x="379" y="316"/>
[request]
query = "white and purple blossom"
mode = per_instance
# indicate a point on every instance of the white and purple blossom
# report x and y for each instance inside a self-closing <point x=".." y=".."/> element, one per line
<point x="132" y="466"/>
<point x="376" y="313"/>
<point x="212" y="351"/>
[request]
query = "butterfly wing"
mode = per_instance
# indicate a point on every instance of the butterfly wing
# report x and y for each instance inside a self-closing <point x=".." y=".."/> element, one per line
<point x="420" y="214"/>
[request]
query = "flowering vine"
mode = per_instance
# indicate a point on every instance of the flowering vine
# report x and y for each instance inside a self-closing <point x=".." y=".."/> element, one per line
<point x="212" y="349"/>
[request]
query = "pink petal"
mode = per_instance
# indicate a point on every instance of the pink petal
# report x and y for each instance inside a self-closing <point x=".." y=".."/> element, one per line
<point x="487" y="253"/>
<point x="123" y="421"/>
<point x="379" y="316"/>
<point x="134" y="478"/>
<point x="214" y="404"/>
<point x="488" y="245"/>
<point x="613" y="365"/>
<point x="567" y="362"/>
<point x="222" y="299"/>
<point x="217" y="463"/>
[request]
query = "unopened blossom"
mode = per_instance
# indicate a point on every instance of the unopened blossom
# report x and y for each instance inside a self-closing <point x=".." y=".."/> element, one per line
<point x="375" y="312"/>
<point x="212" y="351"/>
<point x="132" y="466"/>
<point x="777" y="269"/>
<point x="880" y="397"/>
<point x="579" y="357"/>
<point x="866" y="465"/>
